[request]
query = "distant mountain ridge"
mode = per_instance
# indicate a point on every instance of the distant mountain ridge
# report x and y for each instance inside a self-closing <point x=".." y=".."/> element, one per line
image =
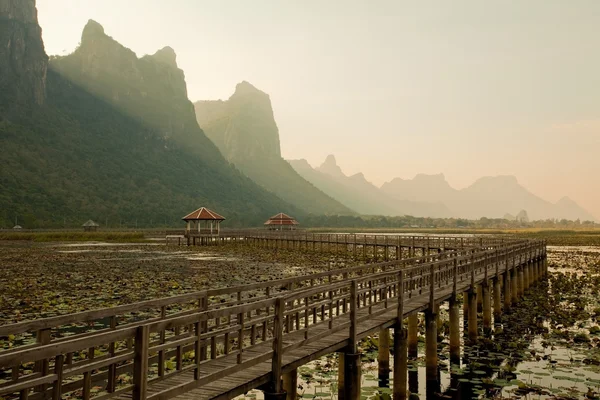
<point x="244" y="129"/>
<point x="361" y="195"/>
<point x="432" y="196"/>
<point x="491" y="197"/>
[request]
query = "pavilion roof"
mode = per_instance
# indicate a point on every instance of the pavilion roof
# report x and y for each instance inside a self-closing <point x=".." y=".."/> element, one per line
<point x="281" y="219"/>
<point x="89" y="222"/>
<point x="203" y="214"/>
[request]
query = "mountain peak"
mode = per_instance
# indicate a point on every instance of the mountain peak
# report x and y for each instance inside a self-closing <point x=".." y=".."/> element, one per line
<point x="246" y="88"/>
<point x="166" y="55"/>
<point x="330" y="167"/>
<point x="92" y="29"/>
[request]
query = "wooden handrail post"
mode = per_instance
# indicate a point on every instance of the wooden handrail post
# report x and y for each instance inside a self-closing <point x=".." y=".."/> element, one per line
<point x="455" y="277"/>
<point x="400" y="315"/>
<point x="277" y="345"/>
<point x="58" y="371"/>
<point x="431" y="285"/>
<point x="353" y="304"/>
<point x="472" y="270"/>
<point x="140" y="362"/>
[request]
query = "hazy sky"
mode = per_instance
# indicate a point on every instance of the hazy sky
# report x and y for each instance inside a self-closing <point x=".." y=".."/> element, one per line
<point x="392" y="88"/>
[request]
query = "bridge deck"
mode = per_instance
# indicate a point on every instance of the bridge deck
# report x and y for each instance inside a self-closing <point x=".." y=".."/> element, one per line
<point x="241" y="382"/>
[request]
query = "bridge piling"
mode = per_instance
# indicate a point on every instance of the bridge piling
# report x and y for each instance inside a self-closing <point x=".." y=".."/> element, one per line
<point x="497" y="299"/>
<point x="506" y="286"/>
<point x="431" y="353"/>
<point x="413" y="330"/>
<point x="520" y="281"/>
<point x="290" y="384"/>
<point x="472" y="324"/>
<point x="514" y="290"/>
<point x="487" y="307"/>
<point x="454" y="331"/>
<point x="383" y="358"/>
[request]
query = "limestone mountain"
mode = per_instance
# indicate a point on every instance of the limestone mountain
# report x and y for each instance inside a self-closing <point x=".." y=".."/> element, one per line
<point x="116" y="139"/>
<point x="23" y="60"/>
<point x="151" y="89"/>
<point x="244" y="129"/>
<point x="492" y="197"/>
<point x="361" y="195"/>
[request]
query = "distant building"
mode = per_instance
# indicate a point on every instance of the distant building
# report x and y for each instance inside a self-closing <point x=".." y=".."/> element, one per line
<point x="90" y="226"/>
<point x="17" y="227"/>
<point x="281" y="222"/>
<point x="203" y="221"/>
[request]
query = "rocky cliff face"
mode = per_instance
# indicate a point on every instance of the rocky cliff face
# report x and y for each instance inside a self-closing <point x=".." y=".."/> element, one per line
<point x="243" y="127"/>
<point x="151" y="88"/>
<point x="23" y="60"/>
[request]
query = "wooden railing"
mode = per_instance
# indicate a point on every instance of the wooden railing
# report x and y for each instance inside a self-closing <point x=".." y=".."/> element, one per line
<point x="195" y="329"/>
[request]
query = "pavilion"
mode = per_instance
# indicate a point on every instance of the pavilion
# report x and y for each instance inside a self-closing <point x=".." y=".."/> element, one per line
<point x="203" y="222"/>
<point x="281" y="222"/>
<point x="90" y="226"/>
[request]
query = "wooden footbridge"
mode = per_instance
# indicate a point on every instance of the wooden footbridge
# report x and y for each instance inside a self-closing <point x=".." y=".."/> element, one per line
<point x="220" y="343"/>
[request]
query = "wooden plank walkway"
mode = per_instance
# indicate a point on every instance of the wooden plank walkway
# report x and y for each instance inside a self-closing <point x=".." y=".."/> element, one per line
<point x="236" y="337"/>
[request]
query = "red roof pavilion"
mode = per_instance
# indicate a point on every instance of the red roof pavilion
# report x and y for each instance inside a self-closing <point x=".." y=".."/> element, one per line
<point x="211" y="225"/>
<point x="281" y="221"/>
<point x="203" y="214"/>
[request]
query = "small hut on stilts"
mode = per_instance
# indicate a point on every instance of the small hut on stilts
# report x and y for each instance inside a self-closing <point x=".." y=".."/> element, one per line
<point x="203" y="226"/>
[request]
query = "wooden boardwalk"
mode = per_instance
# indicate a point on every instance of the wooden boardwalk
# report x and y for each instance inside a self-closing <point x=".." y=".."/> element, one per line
<point x="220" y="343"/>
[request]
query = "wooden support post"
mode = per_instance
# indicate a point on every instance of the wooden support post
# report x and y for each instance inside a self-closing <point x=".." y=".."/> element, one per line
<point x="400" y="362"/>
<point x="400" y="346"/>
<point x="506" y="286"/>
<point x="487" y="308"/>
<point x="413" y="330"/>
<point x="383" y="358"/>
<point x="140" y="362"/>
<point x="520" y="290"/>
<point x="497" y="300"/>
<point x="43" y="337"/>
<point x="275" y="389"/>
<point x="290" y="384"/>
<point x="341" y="379"/>
<point x="472" y="299"/>
<point x="514" y="288"/>
<point x="479" y="298"/>
<point x="58" y="371"/>
<point x="431" y="358"/>
<point x="454" y="331"/>
<point x="352" y="376"/>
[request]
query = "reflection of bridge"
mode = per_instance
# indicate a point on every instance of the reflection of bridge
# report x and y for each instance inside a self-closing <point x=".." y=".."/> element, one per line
<point x="220" y="343"/>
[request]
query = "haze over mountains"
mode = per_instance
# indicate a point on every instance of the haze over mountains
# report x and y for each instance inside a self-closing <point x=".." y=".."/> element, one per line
<point x="431" y="195"/>
<point x="104" y="134"/>
<point x="245" y="131"/>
